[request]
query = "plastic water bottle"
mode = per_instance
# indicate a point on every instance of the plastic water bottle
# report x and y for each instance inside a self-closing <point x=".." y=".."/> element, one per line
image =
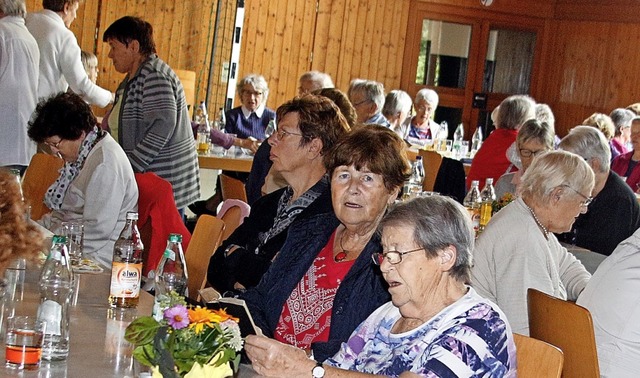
<point x="56" y="283"/>
<point x="126" y="268"/>
<point x="487" y="195"/>
<point x="476" y="140"/>
<point x="473" y="202"/>
<point x="171" y="274"/>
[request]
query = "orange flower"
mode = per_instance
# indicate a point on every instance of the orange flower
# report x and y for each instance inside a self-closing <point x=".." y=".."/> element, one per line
<point x="200" y="317"/>
<point x="222" y="316"/>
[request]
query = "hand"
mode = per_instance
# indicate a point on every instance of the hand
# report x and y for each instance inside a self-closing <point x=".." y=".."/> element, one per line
<point x="272" y="358"/>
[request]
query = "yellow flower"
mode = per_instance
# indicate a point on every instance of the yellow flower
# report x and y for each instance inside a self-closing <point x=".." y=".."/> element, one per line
<point x="209" y="370"/>
<point x="200" y="317"/>
<point x="222" y="316"/>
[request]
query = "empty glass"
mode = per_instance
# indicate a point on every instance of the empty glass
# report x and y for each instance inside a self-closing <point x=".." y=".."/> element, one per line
<point x="74" y="231"/>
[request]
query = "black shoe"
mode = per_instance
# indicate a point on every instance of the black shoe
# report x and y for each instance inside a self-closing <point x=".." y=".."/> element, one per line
<point x="200" y="207"/>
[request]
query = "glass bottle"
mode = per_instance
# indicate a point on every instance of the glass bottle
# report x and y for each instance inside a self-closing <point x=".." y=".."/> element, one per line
<point x="126" y="268"/>
<point x="473" y="202"/>
<point x="476" y="140"/>
<point x="56" y="283"/>
<point x="204" y="129"/>
<point x="171" y="274"/>
<point x="222" y="119"/>
<point x="413" y="185"/>
<point x="458" y="137"/>
<point x="487" y="195"/>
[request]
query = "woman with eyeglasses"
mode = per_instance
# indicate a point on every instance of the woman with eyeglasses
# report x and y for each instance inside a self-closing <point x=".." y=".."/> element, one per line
<point x="534" y="138"/>
<point x="323" y="284"/>
<point x="518" y="250"/>
<point x="434" y="325"/>
<point x="622" y="120"/>
<point x="96" y="184"/>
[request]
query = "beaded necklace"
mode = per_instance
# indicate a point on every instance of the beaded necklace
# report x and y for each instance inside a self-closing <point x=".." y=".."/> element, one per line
<point x="535" y="218"/>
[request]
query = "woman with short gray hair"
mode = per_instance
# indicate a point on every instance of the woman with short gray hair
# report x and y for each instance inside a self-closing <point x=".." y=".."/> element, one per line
<point x="396" y="109"/>
<point x="518" y="250"/>
<point x="622" y="121"/>
<point x="422" y="127"/>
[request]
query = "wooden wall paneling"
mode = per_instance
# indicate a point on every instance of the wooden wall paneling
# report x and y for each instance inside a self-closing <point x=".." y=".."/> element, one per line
<point x="347" y="51"/>
<point x="223" y="52"/>
<point x="538" y="8"/>
<point x="275" y="56"/>
<point x="598" y="10"/>
<point x="361" y="57"/>
<point x="303" y="35"/>
<point x="328" y="39"/>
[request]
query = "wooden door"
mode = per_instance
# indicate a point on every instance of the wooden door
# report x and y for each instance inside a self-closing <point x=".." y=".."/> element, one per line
<point x="472" y="58"/>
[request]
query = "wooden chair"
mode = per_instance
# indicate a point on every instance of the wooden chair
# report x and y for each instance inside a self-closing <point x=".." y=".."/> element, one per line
<point x="188" y="80"/>
<point x="40" y="174"/>
<point x="232" y="212"/>
<point x="431" y="161"/>
<point x="537" y="358"/>
<point x="569" y="327"/>
<point x="232" y="188"/>
<point x="204" y="241"/>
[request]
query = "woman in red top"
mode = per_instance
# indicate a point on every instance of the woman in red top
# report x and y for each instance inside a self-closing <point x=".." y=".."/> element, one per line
<point x="491" y="160"/>
<point x="626" y="165"/>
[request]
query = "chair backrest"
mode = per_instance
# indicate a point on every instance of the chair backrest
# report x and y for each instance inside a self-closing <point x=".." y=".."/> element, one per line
<point x="40" y="174"/>
<point x="537" y="358"/>
<point x="232" y="188"/>
<point x="204" y="241"/>
<point x="431" y="161"/>
<point x="232" y="212"/>
<point x="188" y="80"/>
<point x="567" y="326"/>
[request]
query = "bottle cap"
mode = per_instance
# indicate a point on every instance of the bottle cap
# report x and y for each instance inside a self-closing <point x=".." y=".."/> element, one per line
<point x="132" y="215"/>
<point x="59" y="239"/>
<point x="176" y="238"/>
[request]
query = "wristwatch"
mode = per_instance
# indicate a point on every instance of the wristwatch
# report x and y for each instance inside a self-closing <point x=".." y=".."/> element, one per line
<point x="318" y="370"/>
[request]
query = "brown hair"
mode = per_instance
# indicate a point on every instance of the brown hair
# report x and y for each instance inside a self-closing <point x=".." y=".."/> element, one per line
<point x="603" y="123"/>
<point x="318" y="117"/>
<point x="18" y="238"/>
<point x="57" y="5"/>
<point x="342" y="101"/>
<point x="375" y="147"/>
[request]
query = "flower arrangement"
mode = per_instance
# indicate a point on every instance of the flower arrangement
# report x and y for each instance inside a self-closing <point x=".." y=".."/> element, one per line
<point x="506" y="199"/>
<point x="187" y="342"/>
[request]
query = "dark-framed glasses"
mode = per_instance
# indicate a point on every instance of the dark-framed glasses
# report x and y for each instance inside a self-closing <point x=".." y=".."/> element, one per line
<point x="393" y="257"/>
<point x="587" y="200"/>
<point x="525" y="153"/>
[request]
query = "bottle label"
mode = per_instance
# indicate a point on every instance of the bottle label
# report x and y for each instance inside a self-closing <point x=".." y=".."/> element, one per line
<point x="51" y="313"/>
<point x="125" y="280"/>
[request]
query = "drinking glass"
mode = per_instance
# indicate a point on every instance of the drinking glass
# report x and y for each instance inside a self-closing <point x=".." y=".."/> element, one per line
<point x="24" y="342"/>
<point x="449" y="145"/>
<point x="464" y="148"/>
<point x="74" y="231"/>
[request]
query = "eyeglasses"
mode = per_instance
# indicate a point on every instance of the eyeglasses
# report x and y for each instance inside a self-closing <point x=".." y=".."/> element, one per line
<point x="393" y="257"/>
<point x="252" y="93"/>
<point x="529" y="153"/>
<point x="280" y="134"/>
<point x="587" y="200"/>
<point x="54" y="145"/>
<point x="361" y="102"/>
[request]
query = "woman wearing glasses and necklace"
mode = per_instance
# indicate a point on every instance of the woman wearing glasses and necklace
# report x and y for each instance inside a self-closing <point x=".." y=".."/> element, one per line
<point x="518" y="250"/>
<point x="435" y="325"/>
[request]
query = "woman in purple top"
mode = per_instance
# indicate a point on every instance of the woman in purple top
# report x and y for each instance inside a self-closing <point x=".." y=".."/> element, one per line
<point x="434" y="326"/>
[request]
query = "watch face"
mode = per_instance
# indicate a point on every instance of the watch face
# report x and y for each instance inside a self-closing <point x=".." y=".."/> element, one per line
<point x="318" y="371"/>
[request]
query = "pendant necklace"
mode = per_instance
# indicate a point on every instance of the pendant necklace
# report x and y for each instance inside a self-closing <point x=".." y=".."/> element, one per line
<point x="535" y="218"/>
<point x="342" y="255"/>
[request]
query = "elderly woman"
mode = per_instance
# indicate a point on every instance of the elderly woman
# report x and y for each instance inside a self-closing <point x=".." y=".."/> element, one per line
<point x="96" y="184"/>
<point x="491" y="160"/>
<point x="396" y="109"/>
<point x="622" y="121"/>
<point x="149" y="118"/>
<point x="518" y="249"/>
<point x="534" y="138"/>
<point x="421" y="126"/>
<point x="308" y="127"/>
<point x="434" y="325"/>
<point x="322" y="285"/>
<point x="626" y="165"/>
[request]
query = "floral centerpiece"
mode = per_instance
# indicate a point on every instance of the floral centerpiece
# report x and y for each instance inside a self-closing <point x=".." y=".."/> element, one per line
<point x="187" y="342"/>
<point x="503" y="201"/>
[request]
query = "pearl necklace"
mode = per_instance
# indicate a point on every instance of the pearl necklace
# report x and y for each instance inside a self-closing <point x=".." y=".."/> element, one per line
<point x="535" y="218"/>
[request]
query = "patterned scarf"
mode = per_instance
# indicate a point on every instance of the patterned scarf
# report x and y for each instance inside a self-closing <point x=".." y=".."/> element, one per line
<point x="56" y="192"/>
<point x="287" y="213"/>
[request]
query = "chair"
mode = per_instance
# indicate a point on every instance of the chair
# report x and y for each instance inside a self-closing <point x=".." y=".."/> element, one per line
<point x="188" y="80"/>
<point x="431" y="161"/>
<point x="537" y="358"/>
<point x="205" y="240"/>
<point x="40" y="174"/>
<point x="569" y="327"/>
<point x="157" y="218"/>
<point x="232" y="212"/>
<point x="232" y="188"/>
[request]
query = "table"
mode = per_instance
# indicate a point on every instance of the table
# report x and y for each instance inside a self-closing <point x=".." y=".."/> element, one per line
<point x="591" y="260"/>
<point x="238" y="163"/>
<point x="97" y="345"/>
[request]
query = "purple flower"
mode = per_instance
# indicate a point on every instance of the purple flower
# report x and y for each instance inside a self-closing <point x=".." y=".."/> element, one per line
<point x="177" y="316"/>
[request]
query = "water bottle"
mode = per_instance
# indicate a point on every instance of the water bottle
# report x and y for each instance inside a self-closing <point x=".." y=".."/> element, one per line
<point x="204" y="129"/>
<point x="56" y="282"/>
<point x="222" y="120"/>
<point x="487" y="195"/>
<point x="126" y="268"/>
<point x="473" y="202"/>
<point x="443" y="132"/>
<point x="171" y="274"/>
<point x="476" y="140"/>
<point x="458" y="137"/>
<point x="413" y="186"/>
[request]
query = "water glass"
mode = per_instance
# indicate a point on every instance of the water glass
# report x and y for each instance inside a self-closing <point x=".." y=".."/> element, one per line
<point x="74" y="231"/>
<point x="464" y="148"/>
<point x="24" y="342"/>
<point x="449" y="145"/>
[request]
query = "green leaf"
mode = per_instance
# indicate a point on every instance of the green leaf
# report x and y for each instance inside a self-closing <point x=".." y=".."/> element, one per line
<point x="141" y="331"/>
<point x="145" y="355"/>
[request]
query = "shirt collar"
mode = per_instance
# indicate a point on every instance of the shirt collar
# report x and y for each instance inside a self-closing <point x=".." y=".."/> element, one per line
<point x="246" y="112"/>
